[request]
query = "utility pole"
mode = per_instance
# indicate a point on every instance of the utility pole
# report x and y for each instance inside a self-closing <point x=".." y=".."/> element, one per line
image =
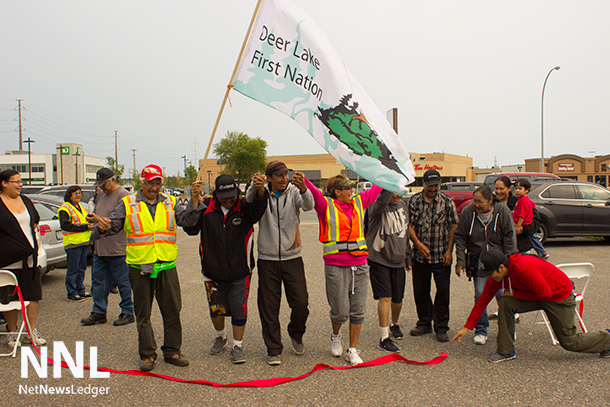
<point x="195" y="147"/>
<point x="133" y="151"/>
<point x="61" y="162"/>
<point x="184" y="158"/>
<point x="20" y="127"/>
<point x="116" y="150"/>
<point x="76" y="166"/>
<point x="29" y="141"/>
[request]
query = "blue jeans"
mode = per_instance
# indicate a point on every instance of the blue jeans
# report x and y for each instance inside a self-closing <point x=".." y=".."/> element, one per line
<point x="483" y="323"/>
<point x="537" y="245"/>
<point x="75" y="274"/>
<point x="106" y="270"/>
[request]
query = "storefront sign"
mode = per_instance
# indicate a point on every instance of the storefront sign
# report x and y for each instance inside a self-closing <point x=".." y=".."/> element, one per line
<point x="419" y="167"/>
<point x="567" y="167"/>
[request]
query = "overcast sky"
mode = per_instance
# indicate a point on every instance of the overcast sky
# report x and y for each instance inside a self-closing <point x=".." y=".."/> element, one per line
<point x="466" y="76"/>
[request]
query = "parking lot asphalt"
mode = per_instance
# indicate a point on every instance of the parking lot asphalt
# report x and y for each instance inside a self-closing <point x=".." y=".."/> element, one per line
<point x="541" y="374"/>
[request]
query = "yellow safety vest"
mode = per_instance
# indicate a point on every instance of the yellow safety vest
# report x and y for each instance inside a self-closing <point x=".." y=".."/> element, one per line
<point x="78" y="218"/>
<point x="341" y="234"/>
<point x="150" y="240"/>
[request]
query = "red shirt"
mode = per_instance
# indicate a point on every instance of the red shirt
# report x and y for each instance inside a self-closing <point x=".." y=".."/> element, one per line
<point x="524" y="208"/>
<point x="531" y="279"/>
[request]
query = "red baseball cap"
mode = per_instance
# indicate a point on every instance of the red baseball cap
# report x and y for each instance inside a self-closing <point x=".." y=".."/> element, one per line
<point x="151" y="172"/>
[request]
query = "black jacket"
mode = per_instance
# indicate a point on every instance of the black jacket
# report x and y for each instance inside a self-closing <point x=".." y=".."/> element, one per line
<point x="15" y="246"/>
<point x="226" y="246"/>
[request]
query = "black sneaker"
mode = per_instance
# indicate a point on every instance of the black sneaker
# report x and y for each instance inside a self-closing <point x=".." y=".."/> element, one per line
<point x="442" y="337"/>
<point x="93" y="319"/>
<point x="396" y="332"/>
<point x="87" y="294"/>
<point x="388" y="346"/>
<point x="114" y="290"/>
<point x="124" y="319"/>
<point x="420" y="330"/>
<point x="76" y="298"/>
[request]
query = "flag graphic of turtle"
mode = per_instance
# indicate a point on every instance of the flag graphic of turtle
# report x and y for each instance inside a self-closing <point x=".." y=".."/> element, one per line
<point x="351" y="128"/>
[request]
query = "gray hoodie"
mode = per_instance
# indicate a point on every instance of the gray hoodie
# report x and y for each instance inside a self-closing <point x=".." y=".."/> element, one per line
<point x="471" y="233"/>
<point x="387" y="232"/>
<point x="279" y="237"/>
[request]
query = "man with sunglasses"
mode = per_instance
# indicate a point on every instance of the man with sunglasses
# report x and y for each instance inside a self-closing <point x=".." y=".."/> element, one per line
<point x="150" y="219"/>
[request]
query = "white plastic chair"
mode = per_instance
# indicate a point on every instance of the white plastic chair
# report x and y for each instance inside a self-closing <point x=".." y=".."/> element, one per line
<point x="574" y="271"/>
<point x="8" y="279"/>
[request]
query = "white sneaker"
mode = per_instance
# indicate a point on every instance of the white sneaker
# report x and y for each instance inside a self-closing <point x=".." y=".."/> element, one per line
<point x="353" y="357"/>
<point x="480" y="339"/>
<point x="38" y="340"/>
<point x="12" y="339"/>
<point x="335" y="346"/>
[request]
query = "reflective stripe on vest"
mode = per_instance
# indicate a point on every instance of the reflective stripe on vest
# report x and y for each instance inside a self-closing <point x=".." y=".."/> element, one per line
<point x="77" y="218"/>
<point x="150" y="240"/>
<point x="330" y="238"/>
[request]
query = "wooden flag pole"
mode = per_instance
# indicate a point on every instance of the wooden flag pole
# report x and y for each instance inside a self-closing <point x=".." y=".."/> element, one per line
<point x="229" y="87"/>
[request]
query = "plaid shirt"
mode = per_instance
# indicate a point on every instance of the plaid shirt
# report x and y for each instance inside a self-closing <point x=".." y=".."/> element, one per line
<point x="431" y="222"/>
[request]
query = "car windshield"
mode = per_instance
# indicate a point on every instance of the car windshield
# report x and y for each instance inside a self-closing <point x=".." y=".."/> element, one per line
<point x="593" y="193"/>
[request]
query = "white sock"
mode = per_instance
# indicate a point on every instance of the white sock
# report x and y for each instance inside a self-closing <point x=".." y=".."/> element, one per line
<point x="352" y="350"/>
<point x="238" y="343"/>
<point x="385" y="332"/>
<point x="332" y="335"/>
<point x="222" y="333"/>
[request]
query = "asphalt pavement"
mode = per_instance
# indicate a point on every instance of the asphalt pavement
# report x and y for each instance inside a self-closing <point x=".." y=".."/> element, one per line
<point x="541" y="374"/>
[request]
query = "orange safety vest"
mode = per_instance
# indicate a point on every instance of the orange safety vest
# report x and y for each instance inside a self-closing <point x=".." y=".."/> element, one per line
<point x="341" y="234"/>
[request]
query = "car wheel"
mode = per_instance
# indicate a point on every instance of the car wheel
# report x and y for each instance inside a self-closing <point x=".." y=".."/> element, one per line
<point x="607" y="239"/>
<point x="542" y="233"/>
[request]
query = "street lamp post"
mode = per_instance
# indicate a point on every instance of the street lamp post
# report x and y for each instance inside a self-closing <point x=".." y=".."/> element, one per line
<point x="542" y="120"/>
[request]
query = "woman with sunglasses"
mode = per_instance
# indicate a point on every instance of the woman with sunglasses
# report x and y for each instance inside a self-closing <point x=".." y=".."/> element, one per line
<point x="341" y="217"/>
<point x="76" y="232"/>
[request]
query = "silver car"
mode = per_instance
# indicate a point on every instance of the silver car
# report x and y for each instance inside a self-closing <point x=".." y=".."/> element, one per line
<point x="50" y="229"/>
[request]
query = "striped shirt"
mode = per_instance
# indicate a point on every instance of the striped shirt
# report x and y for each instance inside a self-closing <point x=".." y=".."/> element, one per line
<point x="431" y="223"/>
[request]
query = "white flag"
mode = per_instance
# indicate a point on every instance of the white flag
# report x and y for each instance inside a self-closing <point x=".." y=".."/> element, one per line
<point x="290" y="65"/>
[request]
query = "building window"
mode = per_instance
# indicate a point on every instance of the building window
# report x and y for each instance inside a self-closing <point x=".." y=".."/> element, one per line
<point x="601" y="180"/>
<point x="604" y="167"/>
<point x="589" y="178"/>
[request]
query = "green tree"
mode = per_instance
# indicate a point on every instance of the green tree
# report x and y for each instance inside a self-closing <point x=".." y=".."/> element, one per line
<point x="135" y="175"/>
<point x="118" y="169"/>
<point x="243" y="156"/>
<point x="190" y="175"/>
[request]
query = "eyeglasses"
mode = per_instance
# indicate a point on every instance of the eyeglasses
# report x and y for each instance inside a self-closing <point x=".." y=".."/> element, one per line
<point x="17" y="182"/>
<point x="346" y="188"/>
<point x="77" y="193"/>
<point x="154" y="184"/>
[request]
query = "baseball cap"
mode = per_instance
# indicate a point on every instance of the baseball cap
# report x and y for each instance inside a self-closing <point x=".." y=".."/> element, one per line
<point x="491" y="261"/>
<point x="432" y="177"/>
<point x="226" y="187"/>
<point x="151" y="172"/>
<point x="276" y="167"/>
<point x="103" y="175"/>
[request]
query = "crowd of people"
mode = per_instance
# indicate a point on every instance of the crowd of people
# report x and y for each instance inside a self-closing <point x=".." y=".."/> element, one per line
<point x="366" y="239"/>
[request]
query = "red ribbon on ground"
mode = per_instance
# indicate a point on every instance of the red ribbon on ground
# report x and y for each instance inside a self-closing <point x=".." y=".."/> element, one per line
<point x="581" y="308"/>
<point x="248" y="383"/>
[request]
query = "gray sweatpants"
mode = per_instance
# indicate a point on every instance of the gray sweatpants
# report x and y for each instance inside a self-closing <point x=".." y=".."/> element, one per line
<point x="346" y="291"/>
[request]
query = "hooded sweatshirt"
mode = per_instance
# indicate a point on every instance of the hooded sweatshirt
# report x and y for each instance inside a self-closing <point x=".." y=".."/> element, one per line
<point x="471" y="233"/>
<point x="279" y="236"/>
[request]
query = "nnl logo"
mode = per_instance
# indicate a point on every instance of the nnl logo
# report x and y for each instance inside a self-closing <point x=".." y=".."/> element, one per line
<point x="59" y="351"/>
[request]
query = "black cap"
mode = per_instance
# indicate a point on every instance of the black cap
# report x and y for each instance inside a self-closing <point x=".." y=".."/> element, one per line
<point x="432" y="177"/>
<point x="103" y="175"/>
<point x="276" y="167"/>
<point x="491" y="261"/>
<point x="226" y="186"/>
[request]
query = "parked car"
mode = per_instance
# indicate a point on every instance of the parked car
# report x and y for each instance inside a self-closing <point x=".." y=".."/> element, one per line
<point x="60" y="191"/>
<point x="571" y="208"/>
<point x="50" y="230"/>
<point x="460" y="192"/>
<point x="42" y="256"/>
<point x="490" y="179"/>
<point x="32" y="189"/>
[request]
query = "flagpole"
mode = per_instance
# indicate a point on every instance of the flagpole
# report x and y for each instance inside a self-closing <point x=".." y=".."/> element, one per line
<point x="229" y="87"/>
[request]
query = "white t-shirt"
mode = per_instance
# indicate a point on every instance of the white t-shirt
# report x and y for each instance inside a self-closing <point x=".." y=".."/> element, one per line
<point x="23" y="219"/>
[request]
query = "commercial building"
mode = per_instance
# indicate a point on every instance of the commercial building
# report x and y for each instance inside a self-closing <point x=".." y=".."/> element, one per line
<point x="591" y="169"/>
<point x="319" y="167"/>
<point x="69" y="166"/>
